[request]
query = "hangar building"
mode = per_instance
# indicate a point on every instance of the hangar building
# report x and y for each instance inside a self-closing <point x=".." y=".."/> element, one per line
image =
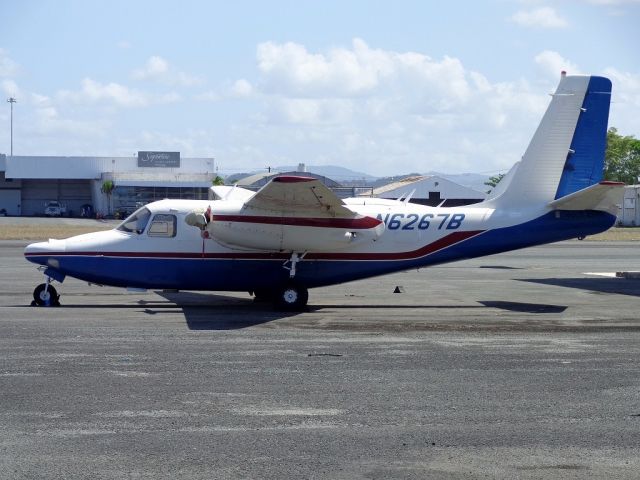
<point x="28" y="182"/>
<point x="430" y="190"/>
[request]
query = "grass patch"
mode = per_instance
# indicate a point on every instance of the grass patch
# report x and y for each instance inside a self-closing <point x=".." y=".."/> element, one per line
<point x="45" y="232"/>
<point x="617" y="234"/>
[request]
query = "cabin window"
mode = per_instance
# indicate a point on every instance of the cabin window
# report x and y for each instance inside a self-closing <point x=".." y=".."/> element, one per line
<point x="136" y="222"/>
<point x="163" y="225"/>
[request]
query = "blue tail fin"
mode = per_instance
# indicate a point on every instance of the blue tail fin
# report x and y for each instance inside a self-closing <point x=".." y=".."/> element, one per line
<point x="585" y="163"/>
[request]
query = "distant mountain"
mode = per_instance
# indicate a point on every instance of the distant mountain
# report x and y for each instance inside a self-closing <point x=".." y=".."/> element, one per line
<point x="335" y="172"/>
<point x="339" y="174"/>
<point x="347" y="176"/>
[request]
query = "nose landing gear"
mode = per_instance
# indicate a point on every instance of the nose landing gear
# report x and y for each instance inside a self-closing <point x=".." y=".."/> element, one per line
<point x="45" y="295"/>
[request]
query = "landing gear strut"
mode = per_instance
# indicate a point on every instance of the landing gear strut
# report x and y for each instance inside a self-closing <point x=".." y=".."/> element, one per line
<point x="295" y="258"/>
<point x="46" y="295"/>
<point x="291" y="296"/>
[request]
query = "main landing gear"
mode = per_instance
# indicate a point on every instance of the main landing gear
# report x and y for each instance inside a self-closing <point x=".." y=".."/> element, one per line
<point x="291" y="296"/>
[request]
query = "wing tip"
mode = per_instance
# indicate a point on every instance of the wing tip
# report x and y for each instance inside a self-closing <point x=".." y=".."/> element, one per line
<point x="292" y="179"/>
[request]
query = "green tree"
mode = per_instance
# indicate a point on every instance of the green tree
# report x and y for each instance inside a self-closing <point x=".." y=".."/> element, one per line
<point x="217" y="181"/>
<point x="107" y="189"/>
<point x="493" y="181"/>
<point x="622" y="158"/>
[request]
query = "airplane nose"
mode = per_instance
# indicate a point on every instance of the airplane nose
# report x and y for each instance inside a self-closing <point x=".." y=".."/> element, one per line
<point x="40" y="252"/>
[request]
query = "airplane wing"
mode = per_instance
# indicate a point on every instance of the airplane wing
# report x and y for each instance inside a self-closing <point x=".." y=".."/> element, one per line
<point x="289" y="214"/>
<point x="298" y="196"/>
<point x="226" y="192"/>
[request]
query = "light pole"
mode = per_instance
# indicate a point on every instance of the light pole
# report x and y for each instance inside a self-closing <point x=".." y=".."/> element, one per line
<point x="11" y="100"/>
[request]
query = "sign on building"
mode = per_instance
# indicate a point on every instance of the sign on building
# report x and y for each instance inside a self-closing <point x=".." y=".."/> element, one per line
<point x="159" y="159"/>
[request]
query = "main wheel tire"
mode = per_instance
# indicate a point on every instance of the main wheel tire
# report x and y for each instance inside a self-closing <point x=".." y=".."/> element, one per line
<point x="292" y="298"/>
<point x="48" y="297"/>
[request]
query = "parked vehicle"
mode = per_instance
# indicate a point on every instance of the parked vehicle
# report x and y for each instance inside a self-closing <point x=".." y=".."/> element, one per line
<point x="87" y="211"/>
<point x="53" y="208"/>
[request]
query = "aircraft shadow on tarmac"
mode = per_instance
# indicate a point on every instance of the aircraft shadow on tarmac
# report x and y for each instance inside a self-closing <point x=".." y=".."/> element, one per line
<point x="202" y="311"/>
<point x="207" y="311"/>
<point x="599" y="285"/>
<point x="524" y="307"/>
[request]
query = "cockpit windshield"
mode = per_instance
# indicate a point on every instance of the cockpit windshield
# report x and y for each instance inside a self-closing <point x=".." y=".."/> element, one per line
<point x="136" y="222"/>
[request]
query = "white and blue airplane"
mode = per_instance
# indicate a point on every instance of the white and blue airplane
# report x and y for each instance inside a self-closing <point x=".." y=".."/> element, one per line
<point x="295" y="234"/>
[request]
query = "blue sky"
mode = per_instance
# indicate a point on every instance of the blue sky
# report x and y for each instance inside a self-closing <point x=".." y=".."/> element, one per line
<point x="376" y="86"/>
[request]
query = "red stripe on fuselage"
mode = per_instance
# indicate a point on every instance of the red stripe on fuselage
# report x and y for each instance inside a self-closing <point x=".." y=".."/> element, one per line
<point x="440" y="244"/>
<point x="355" y="223"/>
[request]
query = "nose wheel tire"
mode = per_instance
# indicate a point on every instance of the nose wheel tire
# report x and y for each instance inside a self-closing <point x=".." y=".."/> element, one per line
<point x="46" y="296"/>
<point x="292" y="298"/>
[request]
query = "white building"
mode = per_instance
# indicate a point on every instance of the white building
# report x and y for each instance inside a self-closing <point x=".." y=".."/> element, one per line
<point x="27" y="182"/>
<point x="430" y="190"/>
<point x="629" y="215"/>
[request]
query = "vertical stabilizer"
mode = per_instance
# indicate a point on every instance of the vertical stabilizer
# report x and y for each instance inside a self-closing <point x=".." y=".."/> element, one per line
<point x="566" y="152"/>
<point x="585" y="163"/>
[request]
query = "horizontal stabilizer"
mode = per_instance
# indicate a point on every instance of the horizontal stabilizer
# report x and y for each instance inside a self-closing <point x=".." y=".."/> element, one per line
<point x="603" y="196"/>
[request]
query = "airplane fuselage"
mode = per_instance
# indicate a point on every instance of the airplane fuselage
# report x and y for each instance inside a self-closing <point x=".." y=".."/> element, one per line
<point x="173" y="255"/>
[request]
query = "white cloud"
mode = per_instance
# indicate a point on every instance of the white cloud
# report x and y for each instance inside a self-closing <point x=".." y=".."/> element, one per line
<point x="208" y="96"/>
<point x="158" y="69"/>
<point x="625" y="101"/>
<point x="241" y="88"/>
<point x="375" y="110"/>
<point x="289" y="69"/>
<point x="552" y="63"/>
<point x="613" y="2"/>
<point x="543" y="17"/>
<point x="341" y="71"/>
<point x="10" y="88"/>
<point x="8" y="68"/>
<point x="114" y="94"/>
<point x="386" y="111"/>
<point x="311" y="111"/>
<point x="154" y="68"/>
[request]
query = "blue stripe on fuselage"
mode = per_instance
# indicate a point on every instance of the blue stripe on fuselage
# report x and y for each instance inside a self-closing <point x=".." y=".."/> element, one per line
<point x="243" y="274"/>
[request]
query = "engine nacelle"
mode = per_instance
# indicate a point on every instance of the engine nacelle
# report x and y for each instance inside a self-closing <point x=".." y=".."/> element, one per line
<point x="292" y="233"/>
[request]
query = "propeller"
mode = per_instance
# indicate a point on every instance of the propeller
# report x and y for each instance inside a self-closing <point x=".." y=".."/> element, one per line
<point x="200" y="219"/>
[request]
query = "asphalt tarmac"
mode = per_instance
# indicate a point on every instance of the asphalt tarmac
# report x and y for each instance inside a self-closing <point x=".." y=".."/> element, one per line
<point x="519" y="365"/>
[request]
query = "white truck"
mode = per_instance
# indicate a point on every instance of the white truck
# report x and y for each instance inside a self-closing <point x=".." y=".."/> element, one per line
<point x="53" y="208"/>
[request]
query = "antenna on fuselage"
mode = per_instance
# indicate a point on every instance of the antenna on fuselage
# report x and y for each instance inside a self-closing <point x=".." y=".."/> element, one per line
<point x="408" y="199"/>
<point x="231" y="190"/>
